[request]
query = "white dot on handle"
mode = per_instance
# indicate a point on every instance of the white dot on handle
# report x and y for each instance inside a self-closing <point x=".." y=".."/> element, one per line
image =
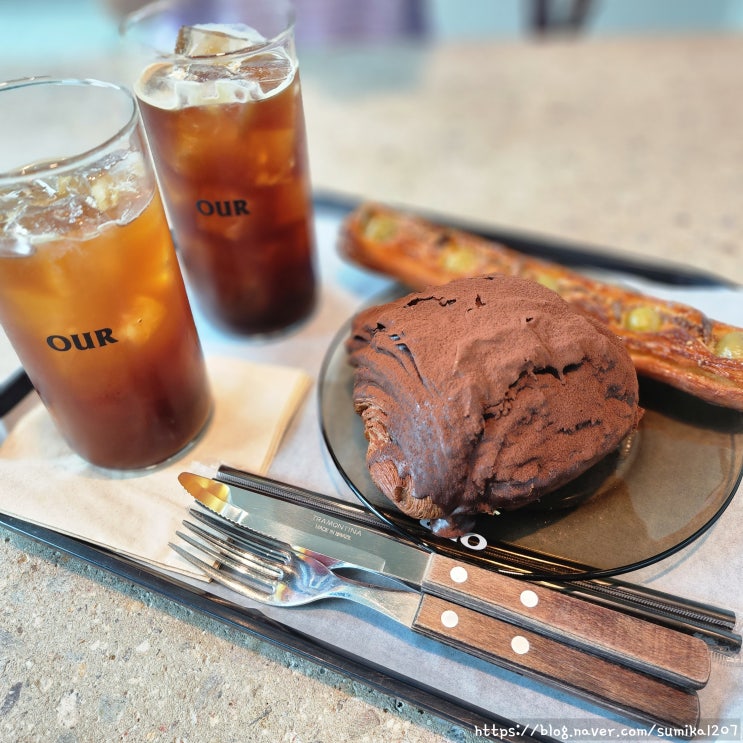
<point x="520" y="645"/>
<point x="529" y="598"/>
<point x="458" y="574"/>
<point x="449" y="619"/>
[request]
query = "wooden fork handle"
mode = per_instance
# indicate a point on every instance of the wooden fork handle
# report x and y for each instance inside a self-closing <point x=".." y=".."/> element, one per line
<point x="614" y="686"/>
<point x="670" y="655"/>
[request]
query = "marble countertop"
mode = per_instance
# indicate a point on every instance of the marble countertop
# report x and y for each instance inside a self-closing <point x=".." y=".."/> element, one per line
<point x="631" y="144"/>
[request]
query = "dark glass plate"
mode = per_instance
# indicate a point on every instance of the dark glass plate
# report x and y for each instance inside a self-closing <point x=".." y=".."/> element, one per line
<point x="659" y="492"/>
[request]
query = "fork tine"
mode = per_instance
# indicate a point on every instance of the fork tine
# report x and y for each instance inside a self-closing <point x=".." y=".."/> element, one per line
<point x="263" y="576"/>
<point x="250" y="557"/>
<point x="269" y="547"/>
<point x="235" y="585"/>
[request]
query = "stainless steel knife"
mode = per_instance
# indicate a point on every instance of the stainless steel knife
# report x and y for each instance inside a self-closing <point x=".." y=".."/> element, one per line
<point x="655" y="650"/>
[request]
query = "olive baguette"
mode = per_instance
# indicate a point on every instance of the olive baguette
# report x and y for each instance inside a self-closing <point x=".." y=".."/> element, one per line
<point x="667" y="341"/>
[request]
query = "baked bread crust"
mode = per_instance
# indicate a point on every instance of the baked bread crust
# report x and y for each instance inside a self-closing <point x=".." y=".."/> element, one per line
<point x="485" y="394"/>
<point x="667" y="341"/>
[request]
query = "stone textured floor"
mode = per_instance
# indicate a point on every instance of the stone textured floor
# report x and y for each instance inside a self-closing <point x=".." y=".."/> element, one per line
<point x="85" y="657"/>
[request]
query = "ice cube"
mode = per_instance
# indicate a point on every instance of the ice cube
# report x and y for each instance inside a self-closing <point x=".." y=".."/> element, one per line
<point x="118" y="190"/>
<point x="209" y="84"/>
<point x="273" y="72"/>
<point x="127" y="167"/>
<point x="142" y="320"/>
<point x="157" y="86"/>
<point x="15" y="246"/>
<point x="42" y="221"/>
<point x="104" y="192"/>
<point x="67" y="186"/>
<point x="273" y="154"/>
<point x="209" y="39"/>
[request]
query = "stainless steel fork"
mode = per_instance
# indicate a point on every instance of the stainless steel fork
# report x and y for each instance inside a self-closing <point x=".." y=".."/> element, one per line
<point x="272" y="572"/>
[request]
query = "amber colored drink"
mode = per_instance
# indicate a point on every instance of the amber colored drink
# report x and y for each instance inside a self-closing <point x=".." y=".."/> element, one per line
<point x="232" y="160"/>
<point x="102" y="324"/>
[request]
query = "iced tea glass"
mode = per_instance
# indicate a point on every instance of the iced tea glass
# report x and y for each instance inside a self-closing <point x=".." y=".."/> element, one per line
<point x="91" y="294"/>
<point x="222" y="107"/>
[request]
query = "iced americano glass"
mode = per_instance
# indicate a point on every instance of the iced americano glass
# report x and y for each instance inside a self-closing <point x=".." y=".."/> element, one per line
<point x="91" y="294"/>
<point x="222" y="107"/>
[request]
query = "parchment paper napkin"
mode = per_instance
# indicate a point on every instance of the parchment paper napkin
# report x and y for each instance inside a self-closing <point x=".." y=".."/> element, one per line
<point x="136" y="514"/>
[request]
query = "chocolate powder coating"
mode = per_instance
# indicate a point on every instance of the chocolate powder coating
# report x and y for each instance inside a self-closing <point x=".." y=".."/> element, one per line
<point x="485" y="394"/>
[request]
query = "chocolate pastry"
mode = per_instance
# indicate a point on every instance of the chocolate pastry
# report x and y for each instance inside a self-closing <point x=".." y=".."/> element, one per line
<point x="668" y="341"/>
<point x="484" y="394"/>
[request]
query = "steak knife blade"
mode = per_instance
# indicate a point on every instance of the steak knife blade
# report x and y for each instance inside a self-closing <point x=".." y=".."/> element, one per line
<point x="655" y="650"/>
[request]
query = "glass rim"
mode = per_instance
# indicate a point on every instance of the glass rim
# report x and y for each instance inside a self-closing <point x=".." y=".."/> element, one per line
<point x="72" y="162"/>
<point x="150" y="10"/>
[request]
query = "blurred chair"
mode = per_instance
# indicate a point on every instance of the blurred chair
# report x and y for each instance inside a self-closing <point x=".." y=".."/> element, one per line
<point x="559" y="16"/>
<point x="329" y="22"/>
<point x="119" y="8"/>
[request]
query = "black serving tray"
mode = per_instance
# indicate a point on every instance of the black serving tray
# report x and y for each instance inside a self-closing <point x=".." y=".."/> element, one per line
<point x="254" y="622"/>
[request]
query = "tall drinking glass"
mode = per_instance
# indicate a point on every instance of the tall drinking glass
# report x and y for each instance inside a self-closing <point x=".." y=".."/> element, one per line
<point x="222" y="107"/>
<point x="91" y="294"/>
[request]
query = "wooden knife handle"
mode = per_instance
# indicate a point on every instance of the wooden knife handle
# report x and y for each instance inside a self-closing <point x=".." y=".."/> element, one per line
<point x="616" y="687"/>
<point x="651" y="648"/>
